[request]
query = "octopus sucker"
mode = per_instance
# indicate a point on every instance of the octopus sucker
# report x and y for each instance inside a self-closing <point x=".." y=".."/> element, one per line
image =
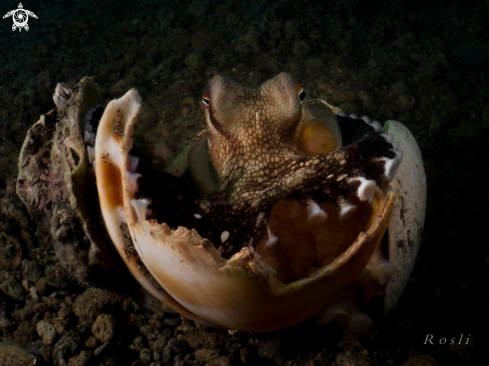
<point x="89" y="138"/>
<point x="349" y="314"/>
<point x="376" y="126"/>
<point x="294" y="199"/>
<point x="389" y="137"/>
<point x="366" y="189"/>
<point x="132" y="184"/>
<point x="315" y="214"/>
<point x="346" y="210"/>
<point x="366" y="119"/>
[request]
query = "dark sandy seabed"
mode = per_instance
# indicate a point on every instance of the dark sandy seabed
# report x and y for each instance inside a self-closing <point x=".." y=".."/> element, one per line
<point x="424" y="63"/>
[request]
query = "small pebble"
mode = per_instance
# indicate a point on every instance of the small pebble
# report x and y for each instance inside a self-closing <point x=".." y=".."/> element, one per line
<point x="103" y="327"/>
<point x="100" y="349"/>
<point x="420" y="360"/>
<point x="172" y="322"/>
<point x="25" y="284"/>
<point x="145" y="355"/>
<point x="180" y="347"/>
<point x="46" y="331"/>
<point x="81" y="359"/>
<point x="33" y="293"/>
<point x="91" y="342"/>
<point x="41" y="285"/>
<point x="15" y="290"/>
<point x="221" y="361"/>
<point x="206" y="355"/>
<point x="166" y="355"/>
<point x="11" y="354"/>
<point x="32" y="271"/>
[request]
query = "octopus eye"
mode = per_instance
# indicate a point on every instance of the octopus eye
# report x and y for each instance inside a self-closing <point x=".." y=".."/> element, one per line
<point x="206" y="99"/>
<point x="301" y="93"/>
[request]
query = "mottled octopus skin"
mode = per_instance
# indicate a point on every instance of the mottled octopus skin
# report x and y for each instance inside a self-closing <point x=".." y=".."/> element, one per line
<point x="253" y="136"/>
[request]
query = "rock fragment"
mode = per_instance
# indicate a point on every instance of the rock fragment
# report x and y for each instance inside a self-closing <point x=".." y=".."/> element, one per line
<point x="32" y="271"/>
<point x="88" y="306"/>
<point x="80" y="359"/>
<point x="65" y="348"/>
<point x="420" y="360"/>
<point x="14" y="355"/>
<point x="15" y="290"/>
<point x="10" y="252"/>
<point x="206" y="355"/>
<point x="103" y="327"/>
<point x="46" y="331"/>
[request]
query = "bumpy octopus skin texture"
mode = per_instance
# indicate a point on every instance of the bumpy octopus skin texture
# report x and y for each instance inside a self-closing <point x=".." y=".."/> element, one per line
<point x="253" y="142"/>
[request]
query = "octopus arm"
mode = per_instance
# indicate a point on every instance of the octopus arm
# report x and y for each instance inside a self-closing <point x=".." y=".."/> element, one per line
<point x="353" y="129"/>
<point x="241" y="220"/>
<point x="355" y="169"/>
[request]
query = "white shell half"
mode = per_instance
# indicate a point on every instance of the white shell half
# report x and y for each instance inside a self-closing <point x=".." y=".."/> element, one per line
<point x="406" y="226"/>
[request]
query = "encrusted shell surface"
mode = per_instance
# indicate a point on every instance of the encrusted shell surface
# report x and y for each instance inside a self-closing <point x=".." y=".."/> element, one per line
<point x="54" y="181"/>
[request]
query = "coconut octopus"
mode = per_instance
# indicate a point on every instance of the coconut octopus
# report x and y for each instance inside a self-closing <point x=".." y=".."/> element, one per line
<point x="294" y="200"/>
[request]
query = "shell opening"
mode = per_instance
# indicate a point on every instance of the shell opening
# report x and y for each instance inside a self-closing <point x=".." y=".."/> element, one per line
<point x="346" y="210"/>
<point x="302" y="238"/>
<point x="302" y="247"/>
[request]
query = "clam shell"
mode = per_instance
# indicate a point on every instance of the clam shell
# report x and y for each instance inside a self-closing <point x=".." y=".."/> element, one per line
<point x="109" y="165"/>
<point x="240" y="293"/>
<point x="243" y="293"/>
<point x="54" y="182"/>
<point x="407" y="222"/>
